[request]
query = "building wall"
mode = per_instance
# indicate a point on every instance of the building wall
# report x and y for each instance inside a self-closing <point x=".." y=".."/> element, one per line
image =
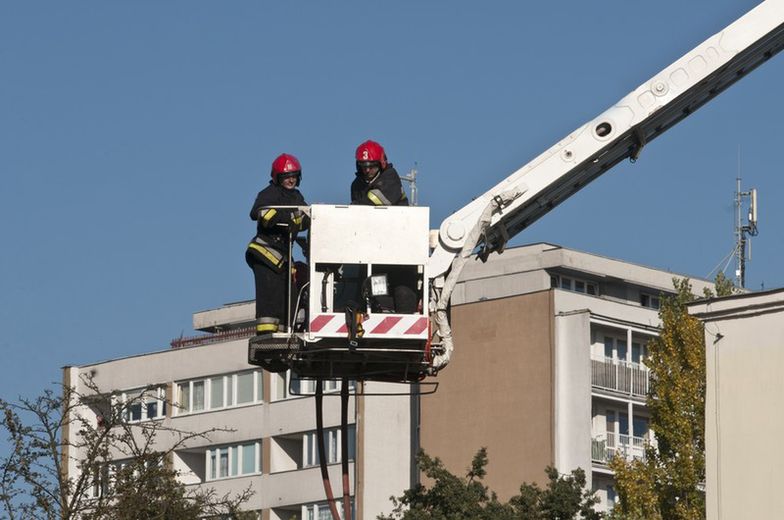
<point x="573" y="392"/>
<point x="385" y="423"/>
<point x="383" y="426"/>
<point x="496" y="392"/>
<point x="744" y="345"/>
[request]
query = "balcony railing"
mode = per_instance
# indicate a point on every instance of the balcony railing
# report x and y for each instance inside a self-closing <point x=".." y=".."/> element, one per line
<point x="620" y="376"/>
<point x="605" y="447"/>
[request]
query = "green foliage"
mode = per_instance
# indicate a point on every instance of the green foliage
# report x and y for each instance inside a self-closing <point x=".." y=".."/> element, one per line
<point x="466" y="498"/>
<point x="667" y="484"/>
<point x="723" y="285"/>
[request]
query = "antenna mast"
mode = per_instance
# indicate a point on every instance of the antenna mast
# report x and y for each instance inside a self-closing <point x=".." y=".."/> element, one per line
<point x="742" y="231"/>
<point x="411" y="179"/>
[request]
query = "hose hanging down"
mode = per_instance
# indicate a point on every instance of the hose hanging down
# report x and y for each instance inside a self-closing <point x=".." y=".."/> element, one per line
<point x="439" y="314"/>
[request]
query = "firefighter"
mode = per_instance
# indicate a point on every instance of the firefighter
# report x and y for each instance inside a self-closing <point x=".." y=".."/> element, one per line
<point x="377" y="183"/>
<point x="267" y="253"/>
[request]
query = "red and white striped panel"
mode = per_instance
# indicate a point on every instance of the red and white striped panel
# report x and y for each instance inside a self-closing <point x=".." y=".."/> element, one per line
<point x="409" y="326"/>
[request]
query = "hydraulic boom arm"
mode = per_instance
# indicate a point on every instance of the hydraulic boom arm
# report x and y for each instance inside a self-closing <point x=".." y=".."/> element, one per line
<point x="618" y="133"/>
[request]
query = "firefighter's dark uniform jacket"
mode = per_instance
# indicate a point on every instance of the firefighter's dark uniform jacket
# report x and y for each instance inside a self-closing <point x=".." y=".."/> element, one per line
<point x="267" y="253"/>
<point x="271" y="242"/>
<point x="385" y="190"/>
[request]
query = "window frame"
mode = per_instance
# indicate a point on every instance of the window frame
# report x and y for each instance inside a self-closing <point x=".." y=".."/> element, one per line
<point x="229" y="392"/>
<point x="235" y="461"/>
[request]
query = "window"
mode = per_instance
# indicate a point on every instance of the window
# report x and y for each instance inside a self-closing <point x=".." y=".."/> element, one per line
<point x="105" y="474"/>
<point x="142" y="404"/>
<point x="245" y="391"/>
<point x="332" y="446"/>
<point x="290" y="385"/>
<point x="218" y="392"/>
<point x="573" y="284"/>
<point x="615" y="348"/>
<point x="650" y="301"/>
<point x="640" y="427"/>
<point x="320" y="511"/>
<point x="233" y="461"/>
<point x="639" y="352"/>
<point x="611" y="497"/>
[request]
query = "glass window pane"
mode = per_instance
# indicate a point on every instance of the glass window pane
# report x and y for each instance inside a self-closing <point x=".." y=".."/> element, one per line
<point x="184" y="397"/>
<point x="135" y="411"/>
<point x="566" y="283"/>
<point x="579" y="286"/>
<point x="591" y="289"/>
<point x="216" y="393"/>
<point x="198" y="396"/>
<point x="248" y="458"/>
<point x="623" y="423"/>
<point x="610" y="426"/>
<point x="245" y="388"/>
<point x="352" y="443"/>
<point x="332" y="440"/>
<point x="553" y="281"/>
<point x="230" y="391"/>
<point x="621" y="349"/>
<point x="152" y="409"/>
<point x="213" y="464"/>
<point x="608" y="347"/>
<point x="259" y="386"/>
<point x="636" y="352"/>
<point x="223" y="468"/>
<point x="324" y="513"/>
<point x="640" y="425"/>
<point x="234" y="460"/>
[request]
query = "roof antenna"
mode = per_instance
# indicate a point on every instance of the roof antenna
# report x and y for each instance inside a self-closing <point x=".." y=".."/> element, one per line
<point x="743" y="244"/>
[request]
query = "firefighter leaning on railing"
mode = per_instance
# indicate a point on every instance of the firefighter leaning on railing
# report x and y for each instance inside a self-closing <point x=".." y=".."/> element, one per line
<point x="267" y="253"/>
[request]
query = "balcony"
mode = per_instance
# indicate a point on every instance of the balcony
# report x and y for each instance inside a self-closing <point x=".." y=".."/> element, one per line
<point x="620" y="376"/>
<point x="606" y="446"/>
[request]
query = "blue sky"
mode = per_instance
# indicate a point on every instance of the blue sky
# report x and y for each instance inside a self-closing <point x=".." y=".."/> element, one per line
<point x="135" y="135"/>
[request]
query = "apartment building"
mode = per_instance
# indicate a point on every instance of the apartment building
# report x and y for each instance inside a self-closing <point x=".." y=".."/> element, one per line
<point x="266" y="438"/>
<point x="549" y="366"/>
<point x="548" y="369"/>
<point x="744" y="336"/>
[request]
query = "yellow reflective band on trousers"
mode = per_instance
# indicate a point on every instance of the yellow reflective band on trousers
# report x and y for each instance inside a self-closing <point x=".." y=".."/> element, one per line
<point x="374" y="199"/>
<point x="274" y="257"/>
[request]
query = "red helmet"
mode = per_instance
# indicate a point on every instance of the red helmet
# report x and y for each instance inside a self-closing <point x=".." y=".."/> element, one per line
<point x="371" y="151"/>
<point x="285" y="165"/>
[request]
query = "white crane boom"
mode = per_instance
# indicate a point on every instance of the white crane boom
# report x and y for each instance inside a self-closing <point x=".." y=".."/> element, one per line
<point x="618" y="133"/>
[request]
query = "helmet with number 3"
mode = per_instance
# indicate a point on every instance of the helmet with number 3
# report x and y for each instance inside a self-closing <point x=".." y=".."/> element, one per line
<point x="285" y="165"/>
<point x="371" y="152"/>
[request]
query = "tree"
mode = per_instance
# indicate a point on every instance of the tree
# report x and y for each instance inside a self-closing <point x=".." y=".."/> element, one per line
<point x="667" y="483"/>
<point x="118" y="470"/>
<point x="466" y="498"/>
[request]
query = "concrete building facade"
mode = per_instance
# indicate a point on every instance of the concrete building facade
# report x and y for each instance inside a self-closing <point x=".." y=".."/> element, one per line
<point x="548" y="369"/>
<point x="267" y="423"/>
<point x="744" y="353"/>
